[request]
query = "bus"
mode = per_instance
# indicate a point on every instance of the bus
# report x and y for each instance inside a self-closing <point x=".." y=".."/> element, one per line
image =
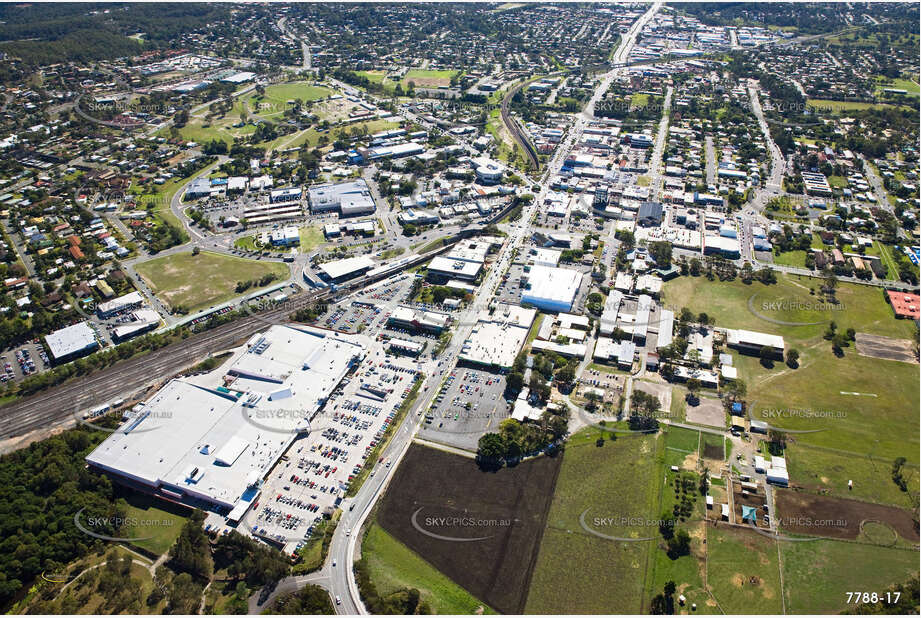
<point x="97" y="411"/>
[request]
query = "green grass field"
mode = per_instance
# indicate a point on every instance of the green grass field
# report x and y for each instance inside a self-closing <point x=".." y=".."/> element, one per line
<point x="276" y="98"/>
<point x="394" y="566"/>
<point x="198" y="281"/>
<point x="817" y="575"/>
<point x="872" y="421"/>
<point x="639" y="99"/>
<point x="428" y="78"/>
<point x="376" y="77"/>
<point x="735" y="556"/>
<point x="247" y="243"/>
<point x="829" y="471"/>
<point x="311" y="238"/>
<point x="149" y="518"/>
<point x="682" y="439"/>
<point x="836" y="107"/>
<point x="791" y="258"/>
<point x="576" y="571"/>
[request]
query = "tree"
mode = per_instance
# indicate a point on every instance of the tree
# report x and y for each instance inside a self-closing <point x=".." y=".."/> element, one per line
<point x="838" y="343"/>
<point x="897" y="477"/>
<point x="793" y="358"/>
<point x="192" y="553"/>
<point x="693" y="385"/>
<point x="184" y="595"/>
<point x="491" y="448"/>
<point x="679" y="545"/>
<point x="514" y="381"/>
<point x="766" y="354"/>
<point x="566" y="375"/>
<point x="667" y="526"/>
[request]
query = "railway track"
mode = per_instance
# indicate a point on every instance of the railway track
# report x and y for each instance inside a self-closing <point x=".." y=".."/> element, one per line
<point x="58" y="404"/>
<point x="513" y="127"/>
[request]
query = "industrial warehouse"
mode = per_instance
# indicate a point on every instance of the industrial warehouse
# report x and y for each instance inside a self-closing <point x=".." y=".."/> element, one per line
<point x="212" y="439"/>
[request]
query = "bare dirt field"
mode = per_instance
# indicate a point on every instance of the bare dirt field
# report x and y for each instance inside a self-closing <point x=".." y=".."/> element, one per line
<point x="708" y="412"/>
<point x="481" y="529"/>
<point x="823" y="516"/>
<point x="663" y="392"/>
<point x="886" y="348"/>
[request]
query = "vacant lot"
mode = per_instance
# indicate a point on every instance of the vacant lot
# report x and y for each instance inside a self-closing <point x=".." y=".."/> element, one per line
<point x="394" y="566"/>
<point x="708" y="411"/>
<point x="866" y="404"/>
<point x="816" y="583"/>
<point x="481" y="529"/>
<point x="311" y="237"/>
<point x="886" y="348"/>
<point x="428" y="78"/>
<point x="742" y="571"/>
<point x="196" y="282"/>
<point x="822" y="516"/>
<point x="577" y="571"/>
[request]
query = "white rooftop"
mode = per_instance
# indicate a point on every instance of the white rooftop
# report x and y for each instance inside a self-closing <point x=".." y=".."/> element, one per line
<point x="347" y="266"/>
<point x="192" y="439"/>
<point x="70" y="340"/>
<point x="552" y="288"/>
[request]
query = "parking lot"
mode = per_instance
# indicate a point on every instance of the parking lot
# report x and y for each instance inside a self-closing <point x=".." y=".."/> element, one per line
<point x="24" y="360"/>
<point x="510" y="288"/>
<point x="350" y="316"/>
<point x="469" y="403"/>
<point x="313" y="476"/>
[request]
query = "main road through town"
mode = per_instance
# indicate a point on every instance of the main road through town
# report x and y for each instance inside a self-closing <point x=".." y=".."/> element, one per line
<point x="340" y="580"/>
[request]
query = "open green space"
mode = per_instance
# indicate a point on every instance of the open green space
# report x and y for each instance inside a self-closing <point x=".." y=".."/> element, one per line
<point x="156" y="523"/>
<point x="836" y="107"/>
<point x="430" y="78"/>
<point x="818" y="574"/>
<point x="898" y="84"/>
<point x="682" y="439"/>
<point x="742" y="571"/>
<point x="829" y="472"/>
<point x="275" y="100"/>
<point x="678" y="499"/>
<point x="394" y="566"/>
<point x="791" y="258"/>
<point x="837" y="182"/>
<point x="388" y="254"/>
<point x="866" y="403"/>
<point x="639" y="99"/>
<point x="375" y="77"/>
<point x="311" y="237"/>
<point x="247" y="243"/>
<point x="885" y="256"/>
<point x="576" y="571"/>
<point x="196" y="282"/>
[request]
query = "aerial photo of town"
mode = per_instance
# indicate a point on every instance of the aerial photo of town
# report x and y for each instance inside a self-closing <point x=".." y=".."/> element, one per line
<point x="395" y="308"/>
